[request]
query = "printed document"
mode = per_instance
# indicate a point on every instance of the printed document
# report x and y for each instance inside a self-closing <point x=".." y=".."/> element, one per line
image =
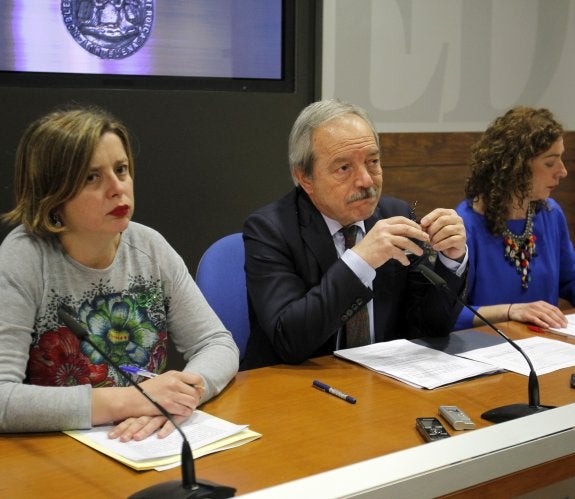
<point x="414" y="364"/>
<point x="568" y="331"/>
<point x="206" y="434"/>
<point x="546" y="355"/>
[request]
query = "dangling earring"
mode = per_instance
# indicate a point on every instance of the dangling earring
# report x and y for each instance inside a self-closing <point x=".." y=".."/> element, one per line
<point x="56" y="220"/>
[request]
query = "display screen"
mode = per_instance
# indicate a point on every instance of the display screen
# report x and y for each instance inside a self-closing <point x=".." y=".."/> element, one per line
<point x="143" y="43"/>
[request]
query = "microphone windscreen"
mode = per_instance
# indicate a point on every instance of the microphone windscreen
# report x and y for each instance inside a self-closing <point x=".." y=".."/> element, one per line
<point x="431" y="276"/>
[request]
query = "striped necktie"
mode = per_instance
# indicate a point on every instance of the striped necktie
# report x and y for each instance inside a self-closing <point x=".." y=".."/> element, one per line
<point x="357" y="326"/>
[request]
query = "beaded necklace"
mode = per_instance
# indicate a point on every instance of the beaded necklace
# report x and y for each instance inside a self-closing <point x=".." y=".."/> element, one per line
<point x="519" y="250"/>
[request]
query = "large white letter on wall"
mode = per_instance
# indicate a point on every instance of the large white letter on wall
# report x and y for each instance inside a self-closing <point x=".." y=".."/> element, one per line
<point x="449" y="65"/>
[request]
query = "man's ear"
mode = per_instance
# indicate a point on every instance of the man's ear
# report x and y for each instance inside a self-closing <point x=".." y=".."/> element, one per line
<point x="303" y="180"/>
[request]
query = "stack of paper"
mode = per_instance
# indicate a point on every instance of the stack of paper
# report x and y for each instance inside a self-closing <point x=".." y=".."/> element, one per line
<point x="433" y="362"/>
<point x="206" y="434"/>
<point x="415" y="365"/>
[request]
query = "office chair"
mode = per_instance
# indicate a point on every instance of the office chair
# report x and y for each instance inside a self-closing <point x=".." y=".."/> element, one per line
<point x="222" y="280"/>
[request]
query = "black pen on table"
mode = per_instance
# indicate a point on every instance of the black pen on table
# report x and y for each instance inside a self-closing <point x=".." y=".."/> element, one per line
<point x="332" y="391"/>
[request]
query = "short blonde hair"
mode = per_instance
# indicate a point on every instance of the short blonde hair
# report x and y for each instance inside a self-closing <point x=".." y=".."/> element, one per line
<point x="52" y="162"/>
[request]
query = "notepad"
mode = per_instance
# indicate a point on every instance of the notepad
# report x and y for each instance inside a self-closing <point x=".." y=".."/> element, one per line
<point x="206" y="433"/>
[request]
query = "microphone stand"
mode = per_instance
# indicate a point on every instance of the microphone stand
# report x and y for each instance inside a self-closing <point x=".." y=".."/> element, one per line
<point x="189" y="487"/>
<point x="507" y="412"/>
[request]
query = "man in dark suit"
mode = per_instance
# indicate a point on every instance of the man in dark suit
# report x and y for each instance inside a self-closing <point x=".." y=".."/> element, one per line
<point x="307" y="284"/>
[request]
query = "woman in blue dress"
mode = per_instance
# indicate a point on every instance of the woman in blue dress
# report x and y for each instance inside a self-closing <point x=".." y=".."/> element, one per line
<point x="521" y="258"/>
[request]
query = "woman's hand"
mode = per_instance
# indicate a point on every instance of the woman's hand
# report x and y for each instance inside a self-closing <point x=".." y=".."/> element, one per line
<point x="144" y="426"/>
<point x="540" y="313"/>
<point x="179" y="393"/>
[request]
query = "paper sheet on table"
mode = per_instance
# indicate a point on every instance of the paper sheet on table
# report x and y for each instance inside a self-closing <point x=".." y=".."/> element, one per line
<point x="568" y="331"/>
<point x="546" y="355"/>
<point x="241" y="438"/>
<point x="415" y="365"/>
<point x="206" y="434"/>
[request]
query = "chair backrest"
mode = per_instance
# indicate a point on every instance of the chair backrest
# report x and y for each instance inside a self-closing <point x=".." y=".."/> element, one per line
<point x="222" y="280"/>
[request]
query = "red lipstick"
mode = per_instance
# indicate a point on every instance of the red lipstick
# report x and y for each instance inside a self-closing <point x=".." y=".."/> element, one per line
<point x="120" y="211"/>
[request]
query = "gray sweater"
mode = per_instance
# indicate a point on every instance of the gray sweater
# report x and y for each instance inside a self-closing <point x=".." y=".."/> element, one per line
<point x="129" y="308"/>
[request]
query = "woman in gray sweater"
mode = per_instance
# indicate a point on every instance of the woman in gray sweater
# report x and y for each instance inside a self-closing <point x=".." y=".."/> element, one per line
<point x="74" y="245"/>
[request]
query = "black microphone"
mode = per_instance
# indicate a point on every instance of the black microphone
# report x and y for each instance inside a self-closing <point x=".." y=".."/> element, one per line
<point x="189" y="487"/>
<point x="507" y="412"/>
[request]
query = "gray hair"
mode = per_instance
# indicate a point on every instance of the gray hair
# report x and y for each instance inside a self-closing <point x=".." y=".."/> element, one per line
<point x="300" y="149"/>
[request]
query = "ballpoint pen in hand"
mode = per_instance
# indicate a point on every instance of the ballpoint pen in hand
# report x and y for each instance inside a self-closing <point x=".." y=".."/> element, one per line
<point x="428" y="252"/>
<point x="147" y="374"/>
<point x="138" y="371"/>
<point x="412" y="214"/>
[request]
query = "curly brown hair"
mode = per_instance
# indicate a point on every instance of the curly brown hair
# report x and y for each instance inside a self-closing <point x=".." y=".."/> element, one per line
<point x="501" y="161"/>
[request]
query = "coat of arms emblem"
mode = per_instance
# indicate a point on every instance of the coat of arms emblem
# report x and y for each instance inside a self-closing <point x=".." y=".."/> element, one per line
<point x="109" y="29"/>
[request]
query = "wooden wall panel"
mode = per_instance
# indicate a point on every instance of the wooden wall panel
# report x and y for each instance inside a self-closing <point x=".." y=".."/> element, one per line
<point x="431" y="168"/>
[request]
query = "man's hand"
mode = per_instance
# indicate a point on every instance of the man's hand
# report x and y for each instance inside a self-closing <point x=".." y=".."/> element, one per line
<point x="446" y="232"/>
<point x="390" y="238"/>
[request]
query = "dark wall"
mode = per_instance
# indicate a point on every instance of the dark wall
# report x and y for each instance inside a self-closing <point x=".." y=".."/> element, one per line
<point x="204" y="160"/>
<point x="431" y="168"/>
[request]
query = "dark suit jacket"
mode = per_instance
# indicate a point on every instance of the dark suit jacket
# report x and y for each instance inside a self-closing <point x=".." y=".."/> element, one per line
<point x="300" y="294"/>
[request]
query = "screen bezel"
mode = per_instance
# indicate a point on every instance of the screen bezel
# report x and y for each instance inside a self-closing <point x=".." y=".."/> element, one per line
<point x="150" y="82"/>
